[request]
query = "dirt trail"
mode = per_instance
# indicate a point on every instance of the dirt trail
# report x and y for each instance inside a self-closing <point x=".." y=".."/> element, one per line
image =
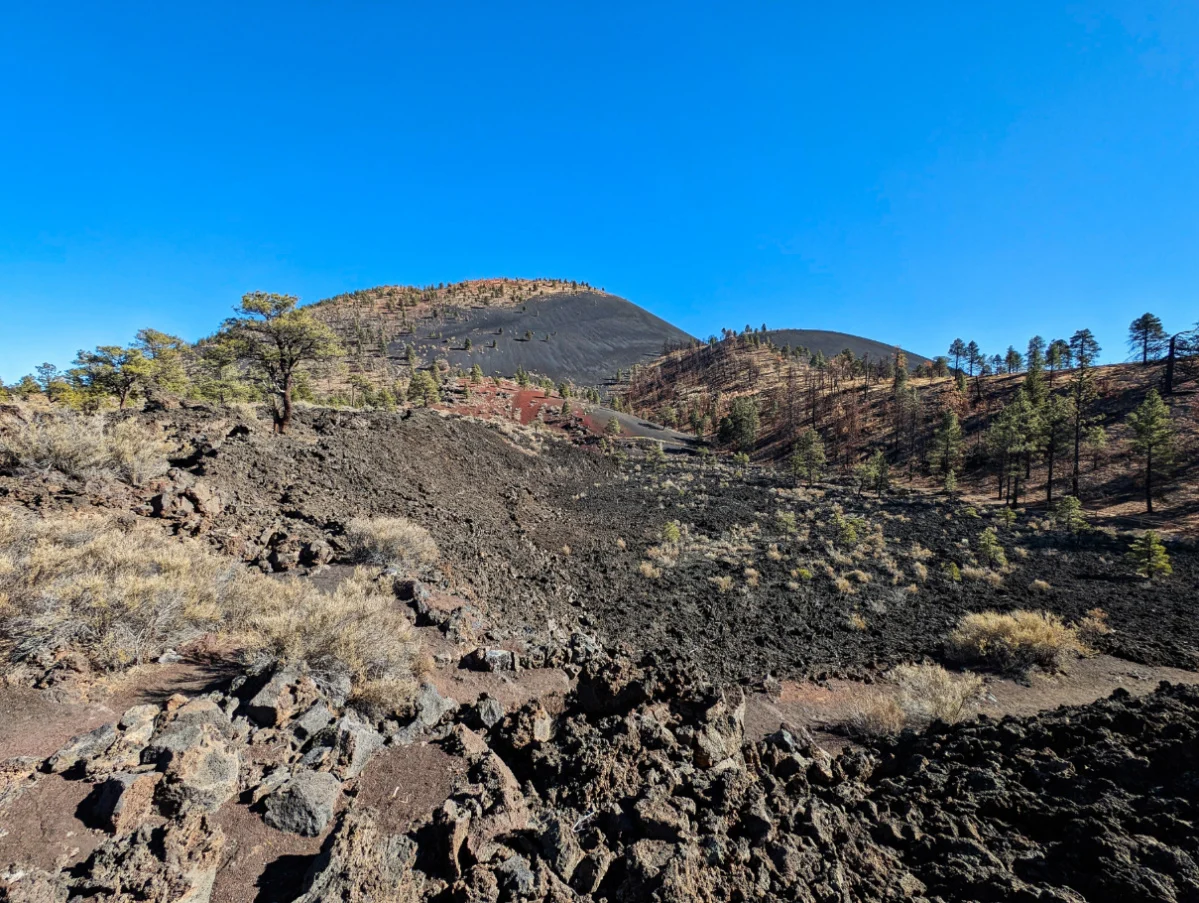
<point x="822" y="707"/>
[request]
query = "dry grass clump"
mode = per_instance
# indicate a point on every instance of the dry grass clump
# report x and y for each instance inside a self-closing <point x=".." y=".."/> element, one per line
<point x="1016" y="641"/>
<point x="880" y="717"/>
<point x="647" y="570"/>
<point x="1039" y="586"/>
<point x="983" y="575"/>
<point x="843" y="586"/>
<point x="391" y="542"/>
<point x="921" y="695"/>
<point x="724" y="584"/>
<point x="81" y="445"/>
<point x="929" y="693"/>
<point x="121" y="594"/>
<point x="920" y="570"/>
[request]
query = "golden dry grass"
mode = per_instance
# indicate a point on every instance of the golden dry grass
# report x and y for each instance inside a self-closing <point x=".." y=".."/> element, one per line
<point x="1015" y="641"/>
<point x="918" y="696"/>
<point x="391" y="542"/>
<point x="81" y="445"/>
<point x="121" y="593"/>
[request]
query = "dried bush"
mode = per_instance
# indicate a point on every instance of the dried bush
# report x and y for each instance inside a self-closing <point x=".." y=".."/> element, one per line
<point x="1016" y="641"/>
<point x="880" y="717"/>
<point x="81" y="445"/>
<point x="1039" y="586"/>
<point x="121" y="593"/>
<point x="929" y="693"/>
<point x="391" y="542"/>
<point x="724" y="584"/>
<point x="646" y="569"/>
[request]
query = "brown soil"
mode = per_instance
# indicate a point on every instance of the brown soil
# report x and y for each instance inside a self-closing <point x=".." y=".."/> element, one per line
<point x="40" y="827"/>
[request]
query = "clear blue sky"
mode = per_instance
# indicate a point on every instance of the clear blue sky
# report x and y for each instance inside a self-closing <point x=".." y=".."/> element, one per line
<point x="910" y="172"/>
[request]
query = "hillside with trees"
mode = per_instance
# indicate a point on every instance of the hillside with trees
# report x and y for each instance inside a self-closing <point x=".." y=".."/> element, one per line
<point x="1027" y="427"/>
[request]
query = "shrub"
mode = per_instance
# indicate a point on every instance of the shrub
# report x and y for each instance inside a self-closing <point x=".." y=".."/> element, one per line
<point x="649" y="571"/>
<point x="856" y="621"/>
<point x="786" y="521"/>
<point x="1039" y="586"/>
<point x="1016" y="641"/>
<point x="844" y="587"/>
<point x="929" y="693"/>
<point x="953" y="572"/>
<point x="81" y="445"/>
<point x="390" y="542"/>
<point x="802" y="573"/>
<point x="724" y="584"/>
<point x="121" y="593"/>
<point x="671" y="533"/>
<point x="880" y="717"/>
<point x="920" y="570"/>
<point x="751" y="576"/>
<point x="1092" y="626"/>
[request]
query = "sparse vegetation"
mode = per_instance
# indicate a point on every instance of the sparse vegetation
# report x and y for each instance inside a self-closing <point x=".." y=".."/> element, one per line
<point x="1015" y="641"/>
<point x="394" y="542"/>
<point x="81" y="445"/>
<point x="119" y="593"/>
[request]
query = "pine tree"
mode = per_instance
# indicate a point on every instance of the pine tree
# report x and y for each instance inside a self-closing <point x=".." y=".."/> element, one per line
<point x="1153" y="438"/>
<point x="1070" y="516"/>
<point x="1148" y="556"/>
<point x="1057" y="414"/>
<point x="957" y="350"/>
<point x="947" y="442"/>
<point x="1013" y="360"/>
<point x="1084" y="350"/>
<point x="951" y="483"/>
<point x="1057" y="357"/>
<point x="807" y="459"/>
<point x="1147" y="337"/>
<point x="476" y="374"/>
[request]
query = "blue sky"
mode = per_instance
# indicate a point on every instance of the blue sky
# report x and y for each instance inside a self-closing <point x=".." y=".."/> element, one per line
<point x="909" y="172"/>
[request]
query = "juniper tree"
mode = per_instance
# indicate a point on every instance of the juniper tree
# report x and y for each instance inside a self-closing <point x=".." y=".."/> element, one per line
<point x="1153" y="436"/>
<point x="1147" y="337"/>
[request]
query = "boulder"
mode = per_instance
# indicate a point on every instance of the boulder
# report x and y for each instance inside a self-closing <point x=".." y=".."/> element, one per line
<point x="353" y="747"/>
<point x="202" y="776"/>
<point x="484" y="659"/>
<point x="488" y="711"/>
<point x="363" y="864"/>
<point x="304" y="804"/>
<point x="79" y="750"/>
<point x="124" y="801"/>
<point x="313" y="721"/>
<point x="286" y="692"/>
<point x="175" y="863"/>
<point x="431" y="707"/>
<point x="516" y="877"/>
